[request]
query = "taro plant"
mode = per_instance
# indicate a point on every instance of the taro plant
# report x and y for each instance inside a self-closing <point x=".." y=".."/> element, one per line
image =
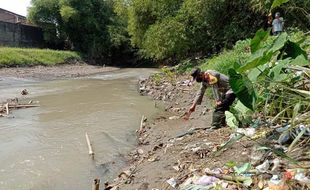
<point x="274" y="79"/>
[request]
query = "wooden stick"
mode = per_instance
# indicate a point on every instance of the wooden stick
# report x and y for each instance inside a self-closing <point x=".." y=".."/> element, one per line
<point x="7" y="108"/>
<point x="23" y="106"/>
<point x="141" y="123"/>
<point x="91" y="152"/>
<point x="96" y="184"/>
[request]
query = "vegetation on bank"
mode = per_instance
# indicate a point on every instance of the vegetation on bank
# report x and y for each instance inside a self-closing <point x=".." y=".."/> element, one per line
<point x="259" y="66"/>
<point x="10" y="57"/>
<point x="160" y="31"/>
<point x="270" y="76"/>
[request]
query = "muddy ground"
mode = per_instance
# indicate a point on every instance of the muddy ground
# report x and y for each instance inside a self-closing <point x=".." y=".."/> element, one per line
<point x="52" y="72"/>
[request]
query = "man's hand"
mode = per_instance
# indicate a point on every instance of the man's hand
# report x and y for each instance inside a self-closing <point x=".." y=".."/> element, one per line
<point x="189" y="112"/>
<point x="218" y="102"/>
<point x="192" y="108"/>
<point x="186" y="115"/>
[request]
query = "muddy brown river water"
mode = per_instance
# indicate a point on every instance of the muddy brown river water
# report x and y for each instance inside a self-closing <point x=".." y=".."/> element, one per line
<point x="45" y="147"/>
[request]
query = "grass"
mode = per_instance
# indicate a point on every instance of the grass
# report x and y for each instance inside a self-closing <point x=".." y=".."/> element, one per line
<point x="21" y="57"/>
<point x="220" y="62"/>
<point x="226" y="59"/>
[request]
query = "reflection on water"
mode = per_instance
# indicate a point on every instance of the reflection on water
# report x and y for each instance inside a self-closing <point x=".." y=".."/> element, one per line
<point x="45" y="147"/>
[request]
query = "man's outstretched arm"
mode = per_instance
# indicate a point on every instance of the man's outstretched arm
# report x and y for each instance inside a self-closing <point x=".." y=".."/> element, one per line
<point x="197" y="100"/>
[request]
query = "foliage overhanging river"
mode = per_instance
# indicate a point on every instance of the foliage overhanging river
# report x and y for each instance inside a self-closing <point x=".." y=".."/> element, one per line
<point x="45" y="147"/>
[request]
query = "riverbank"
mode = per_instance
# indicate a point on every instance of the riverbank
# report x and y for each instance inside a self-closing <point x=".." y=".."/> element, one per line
<point x="77" y="69"/>
<point x="174" y="154"/>
<point x="172" y="148"/>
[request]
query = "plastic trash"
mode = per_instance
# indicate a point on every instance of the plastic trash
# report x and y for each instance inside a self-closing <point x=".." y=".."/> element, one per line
<point x="263" y="167"/>
<point x="206" y="180"/>
<point x="275" y="179"/>
<point x="275" y="183"/>
<point x="214" y="171"/>
<point x="172" y="182"/>
<point x="276" y="164"/>
<point x="302" y="178"/>
<point x="284" y="137"/>
<point x="249" y="132"/>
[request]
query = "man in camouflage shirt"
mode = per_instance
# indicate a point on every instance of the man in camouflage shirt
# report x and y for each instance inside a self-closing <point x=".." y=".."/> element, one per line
<point x="222" y="93"/>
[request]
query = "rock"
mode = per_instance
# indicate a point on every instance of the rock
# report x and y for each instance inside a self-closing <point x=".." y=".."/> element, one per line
<point x="153" y="159"/>
<point x="24" y="92"/>
<point x="140" y="151"/>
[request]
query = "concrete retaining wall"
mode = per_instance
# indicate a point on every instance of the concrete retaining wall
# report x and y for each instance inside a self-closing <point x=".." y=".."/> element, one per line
<point x="19" y="35"/>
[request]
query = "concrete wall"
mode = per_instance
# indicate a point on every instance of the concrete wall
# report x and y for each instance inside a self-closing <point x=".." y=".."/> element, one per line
<point x="19" y="35"/>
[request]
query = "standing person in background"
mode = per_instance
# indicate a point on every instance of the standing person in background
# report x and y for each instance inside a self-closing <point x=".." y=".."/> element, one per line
<point x="222" y="92"/>
<point x="277" y="24"/>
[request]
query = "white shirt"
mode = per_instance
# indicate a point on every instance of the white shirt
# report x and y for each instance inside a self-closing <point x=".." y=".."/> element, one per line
<point x="277" y="24"/>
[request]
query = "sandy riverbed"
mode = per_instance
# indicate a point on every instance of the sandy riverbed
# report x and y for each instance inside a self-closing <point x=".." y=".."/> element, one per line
<point x="61" y="71"/>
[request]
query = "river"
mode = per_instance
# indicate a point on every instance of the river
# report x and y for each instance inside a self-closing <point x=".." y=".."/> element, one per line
<point x="45" y="147"/>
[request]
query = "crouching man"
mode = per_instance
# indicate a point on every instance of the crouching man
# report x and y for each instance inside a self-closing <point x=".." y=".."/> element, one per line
<point x="222" y="93"/>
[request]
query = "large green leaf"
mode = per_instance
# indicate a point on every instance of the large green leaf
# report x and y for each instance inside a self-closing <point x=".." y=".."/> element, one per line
<point x="300" y="60"/>
<point x="243" y="88"/>
<point x="279" y="42"/>
<point x="293" y="50"/>
<point x="277" y="3"/>
<point x="242" y="113"/>
<point x="256" y="60"/>
<point x="231" y="120"/>
<point x="256" y="72"/>
<point x="260" y="37"/>
<point x="263" y="55"/>
<point x="276" y="72"/>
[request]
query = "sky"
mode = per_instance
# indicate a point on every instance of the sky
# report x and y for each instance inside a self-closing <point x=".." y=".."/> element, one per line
<point x="16" y="6"/>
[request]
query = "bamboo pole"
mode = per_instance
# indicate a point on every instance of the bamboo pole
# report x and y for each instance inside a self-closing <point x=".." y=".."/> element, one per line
<point x="90" y="149"/>
<point x="23" y="106"/>
<point x="96" y="184"/>
<point x="20" y="106"/>
<point x="141" y="122"/>
<point x="7" y="108"/>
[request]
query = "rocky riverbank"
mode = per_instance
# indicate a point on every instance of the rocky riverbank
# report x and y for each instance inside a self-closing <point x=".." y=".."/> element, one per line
<point x="176" y="154"/>
<point x="170" y="148"/>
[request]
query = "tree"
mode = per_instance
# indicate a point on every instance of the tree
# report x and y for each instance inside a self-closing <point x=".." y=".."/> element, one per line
<point x="45" y="13"/>
<point x="83" y="23"/>
<point x="177" y="28"/>
<point x="295" y="12"/>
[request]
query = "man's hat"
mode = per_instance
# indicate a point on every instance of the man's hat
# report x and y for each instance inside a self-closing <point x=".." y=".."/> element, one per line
<point x="195" y="72"/>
